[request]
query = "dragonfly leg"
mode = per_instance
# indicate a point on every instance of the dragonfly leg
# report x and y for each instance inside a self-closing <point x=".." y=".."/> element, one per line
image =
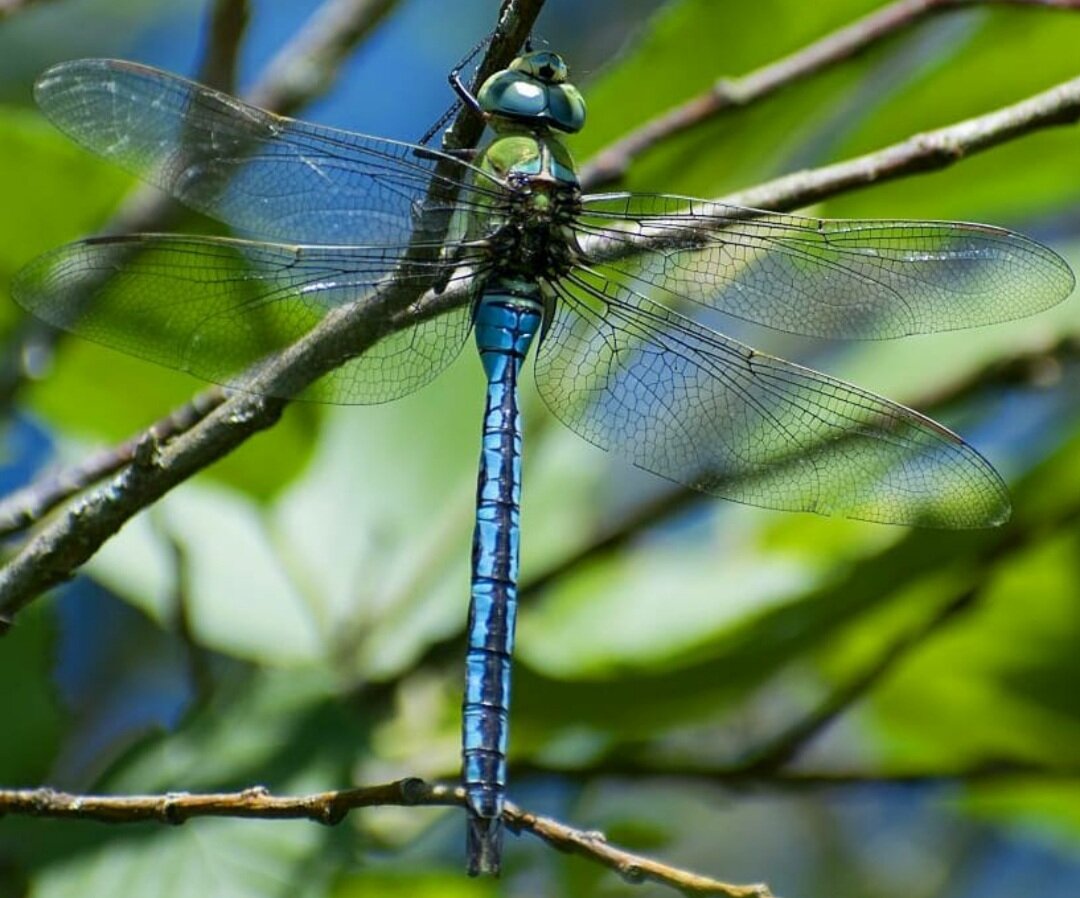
<point x="458" y="86"/>
<point x="463" y="92"/>
<point x="465" y="154"/>
<point x="464" y="95"/>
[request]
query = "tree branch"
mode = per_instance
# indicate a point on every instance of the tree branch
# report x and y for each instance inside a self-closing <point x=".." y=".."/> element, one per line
<point x="27" y="506"/>
<point x="11" y="7"/>
<point x="738" y="778"/>
<point x="330" y="808"/>
<point x="307" y="66"/>
<point x="346" y="332"/>
<point x="726" y="94"/>
<point x="225" y="32"/>
<point x="786" y="747"/>
<point x="66" y="543"/>
<point x="929" y="151"/>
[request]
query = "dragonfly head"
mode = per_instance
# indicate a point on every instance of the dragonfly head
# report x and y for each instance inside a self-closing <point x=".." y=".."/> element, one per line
<point x="534" y="90"/>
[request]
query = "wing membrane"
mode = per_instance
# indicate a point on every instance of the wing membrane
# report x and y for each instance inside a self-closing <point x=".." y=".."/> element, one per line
<point x="269" y="176"/>
<point x="217" y="308"/>
<point x="819" y="277"/>
<point x="706" y="411"/>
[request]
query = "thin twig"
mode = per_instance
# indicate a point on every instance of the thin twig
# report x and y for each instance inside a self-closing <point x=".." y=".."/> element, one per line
<point x="929" y="151"/>
<point x="27" y="506"/>
<point x="331" y="808"/>
<point x="307" y="66"/>
<point x="197" y="657"/>
<point x="11" y="7"/>
<point x="728" y="94"/>
<point x="786" y="747"/>
<point x="69" y="541"/>
<point x="225" y="32"/>
<point x="737" y="778"/>
<point x="634" y="868"/>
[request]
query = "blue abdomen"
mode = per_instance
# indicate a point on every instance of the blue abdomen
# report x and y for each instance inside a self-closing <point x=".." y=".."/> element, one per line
<point x="508" y="316"/>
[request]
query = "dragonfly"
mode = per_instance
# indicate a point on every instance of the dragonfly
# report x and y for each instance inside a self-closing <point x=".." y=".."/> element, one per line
<point x="366" y="263"/>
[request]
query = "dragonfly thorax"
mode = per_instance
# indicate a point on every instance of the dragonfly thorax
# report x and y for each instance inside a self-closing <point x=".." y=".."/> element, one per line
<point x="530" y="231"/>
<point x="535" y="239"/>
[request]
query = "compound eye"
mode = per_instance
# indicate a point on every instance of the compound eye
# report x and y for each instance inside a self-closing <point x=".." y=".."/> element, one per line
<point x="542" y="65"/>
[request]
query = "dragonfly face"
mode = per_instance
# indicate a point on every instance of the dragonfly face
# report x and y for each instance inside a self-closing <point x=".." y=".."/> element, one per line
<point x="347" y="234"/>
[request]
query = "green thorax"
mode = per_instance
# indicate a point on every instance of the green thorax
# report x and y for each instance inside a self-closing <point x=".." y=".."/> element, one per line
<point x="521" y="151"/>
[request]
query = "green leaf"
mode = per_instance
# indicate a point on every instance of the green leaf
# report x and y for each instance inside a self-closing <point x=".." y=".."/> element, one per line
<point x="378" y="527"/>
<point x="446" y="884"/>
<point x="1045" y="810"/>
<point x="286" y="729"/>
<point x="239" y="858"/>
<point x="61" y="192"/>
<point x="999" y="685"/>
<point x="29" y="704"/>
<point x="724" y="661"/>
<point x="240" y="599"/>
<point x="89" y="390"/>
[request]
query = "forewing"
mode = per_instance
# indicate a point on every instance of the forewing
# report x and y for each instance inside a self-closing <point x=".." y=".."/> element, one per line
<point x="698" y="408"/>
<point x="820" y="277"/>
<point x="220" y="308"/>
<point x="269" y="176"/>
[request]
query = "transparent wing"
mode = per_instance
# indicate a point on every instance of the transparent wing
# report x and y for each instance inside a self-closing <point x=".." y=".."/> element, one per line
<point x="823" y="278"/>
<point x="217" y="308"/>
<point x="268" y="176"/>
<point x="696" y="407"/>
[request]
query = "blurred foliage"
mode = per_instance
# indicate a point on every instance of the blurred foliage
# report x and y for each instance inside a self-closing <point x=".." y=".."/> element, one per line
<point x="293" y="617"/>
<point x="945" y="69"/>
